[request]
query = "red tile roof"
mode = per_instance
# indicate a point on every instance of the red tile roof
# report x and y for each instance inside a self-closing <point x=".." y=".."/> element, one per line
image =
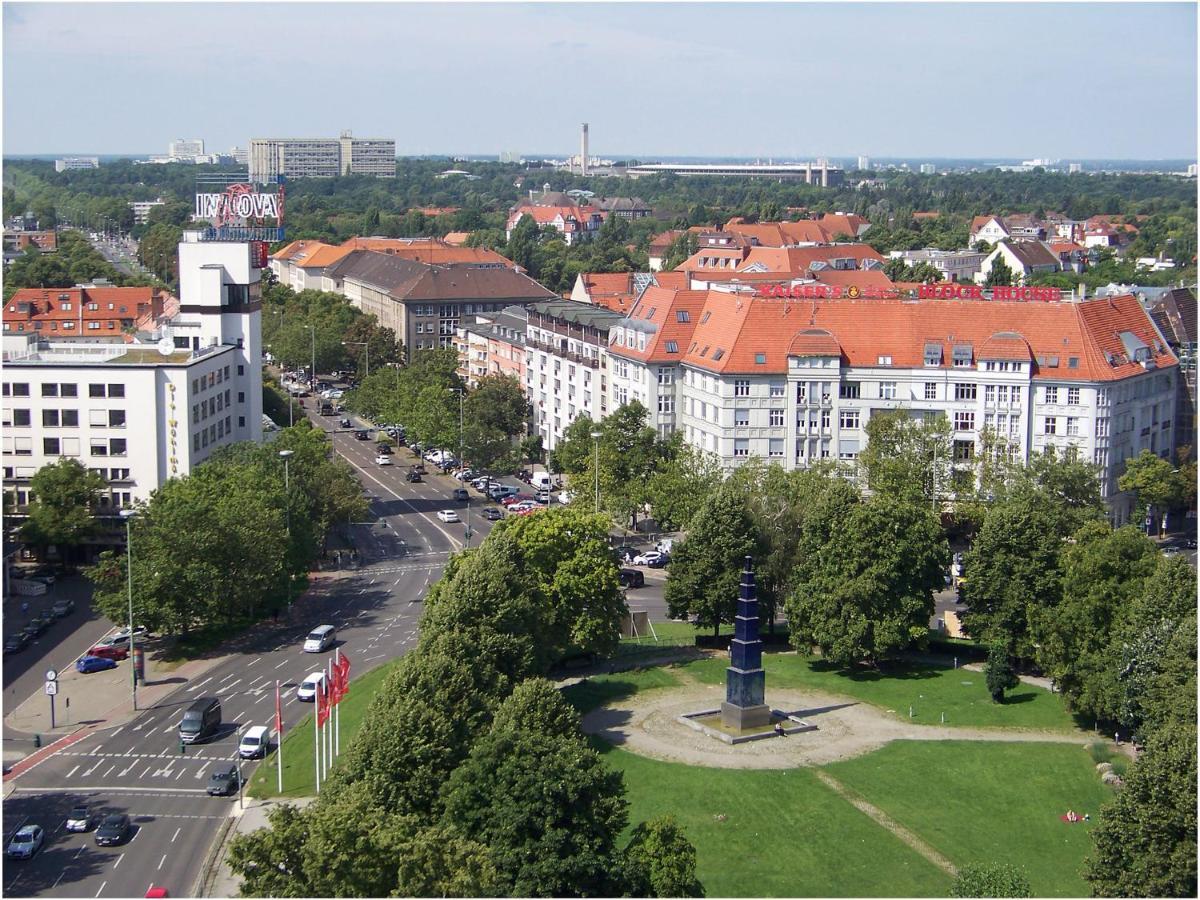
<point x="428" y="250"/>
<point x="131" y="307"/>
<point x="676" y="279"/>
<point x="664" y="308"/>
<point x="863" y="330"/>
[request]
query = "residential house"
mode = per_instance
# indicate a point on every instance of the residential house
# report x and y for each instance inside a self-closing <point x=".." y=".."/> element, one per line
<point x="87" y="312"/>
<point x="1024" y="258"/>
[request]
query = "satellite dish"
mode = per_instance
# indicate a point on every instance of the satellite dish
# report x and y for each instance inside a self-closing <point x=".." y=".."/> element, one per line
<point x="166" y="346"/>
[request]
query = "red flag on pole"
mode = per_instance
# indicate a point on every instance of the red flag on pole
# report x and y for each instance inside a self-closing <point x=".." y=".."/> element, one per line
<point x="278" y="712"/>
<point x="322" y="703"/>
<point x="342" y="676"/>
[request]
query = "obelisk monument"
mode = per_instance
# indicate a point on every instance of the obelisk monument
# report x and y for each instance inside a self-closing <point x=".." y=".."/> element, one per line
<point x="745" y="681"/>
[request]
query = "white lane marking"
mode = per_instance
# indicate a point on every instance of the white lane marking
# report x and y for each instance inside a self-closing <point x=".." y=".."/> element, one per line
<point x="396" y="582"/>
<point x="139" y="726"/>
<point x="199" y="774"/>
<point x="144" y="774"/>
<point x="231" y="687"/>
<point x="160" y="864"/>
<point x="282" y="664"/>
<point x="96" y="749"/>
<point x="73" y="771"/>
<point x="176" y="834"/>
<point x="253" y="661"/>
<point x="109" y="769"/>
<point x="136" y="832"/>
<point x="125" y="771"/>
<point x="169" y="728"/>
<point x="201" y="684"/>
<point x="128" y="752"/>
<point x="118" y="731"/>
<point x="251" y="685"/>
<point x="93" y="768"/>
<point x="118" y="862"/>
<point x="82" y="847"/>
<point x="101" y="891"/>
<point x="56" y="880"/>
<point x="364" y="590"/>
<point x="180" y="775"/>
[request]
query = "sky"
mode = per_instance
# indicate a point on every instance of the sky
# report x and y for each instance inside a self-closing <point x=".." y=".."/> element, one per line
<point x="771" y="80"/>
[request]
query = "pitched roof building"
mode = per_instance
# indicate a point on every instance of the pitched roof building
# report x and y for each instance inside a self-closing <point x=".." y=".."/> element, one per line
<point x="86" y="311"/>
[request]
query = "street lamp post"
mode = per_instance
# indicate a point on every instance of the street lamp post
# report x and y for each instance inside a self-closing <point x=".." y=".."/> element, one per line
<point x="127" y="515"/>
<point x="462" y="462"/>
<point x="287" y="494"/>
<point x="596" y="435"/>
<point x="313" y="329"/>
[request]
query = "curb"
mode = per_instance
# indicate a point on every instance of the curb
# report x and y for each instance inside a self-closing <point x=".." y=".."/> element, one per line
<point x="210" y="868"/>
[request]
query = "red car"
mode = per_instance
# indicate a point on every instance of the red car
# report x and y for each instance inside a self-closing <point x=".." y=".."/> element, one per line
<point x="514" y="498"/>
<point x="107" y="651"/>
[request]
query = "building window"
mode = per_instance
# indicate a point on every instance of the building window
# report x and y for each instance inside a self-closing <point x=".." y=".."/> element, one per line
<point x="931" y="390"/>
<point x="778" y="388"/>
<point x="20" y="417"/>
<point x="776" y="418"/>
<point x="775" y="448"/>
<point x="1102" y="426"/>
<point x="964" y="450"/>
<point x="1051" y="425"/>
<point x="50" y="446"/>
<point x="741" y="446"/>
<point x="116" y="390"/>
<point x="1051" y="395"/>
<point x="49" y="390"/>
<point x="887" y="390"/>
<point x="964" y="421"/>
<point x="825" y="417"/>
<point x="666" y="375"/>
<point x="666" y="403"/>
<point x="1073" y="396"/>
<point x="989" y="393"/>
<point x="801" y="391"/>
<point x="95" y="390"/>
<point x="49" y="418"/>
<point x="99" y="447"/>
<point x="741" y="388"/>
<point x="848" y="418"/>
<point x="116" y="447"/>
<point x="849" y="390"/>
<point x="964" y="391"/>
<point x="1072" y="426"/>
<point x="741" y="417"/>
<point x="672" y="346"/>
<point x="70" y="418"/>
<point x="116" y="418"/>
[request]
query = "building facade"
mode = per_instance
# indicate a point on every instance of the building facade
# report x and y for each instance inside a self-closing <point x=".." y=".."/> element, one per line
<point x="321" y="157"/>
<point x="810" y="173"/>
<point x="955" y="265"/>
<point x="85" y="312"/>
<point x="142" y="413"/>
<point x="76" y="162"/>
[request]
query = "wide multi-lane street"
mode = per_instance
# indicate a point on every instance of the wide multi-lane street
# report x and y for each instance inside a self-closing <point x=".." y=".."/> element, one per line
<point x="137" y="767"/>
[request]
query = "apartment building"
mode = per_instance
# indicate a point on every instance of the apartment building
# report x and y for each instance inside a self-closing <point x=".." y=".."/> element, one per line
<point x="271" y="158"/>
<point x="141" y="209"/>
<point x="301" y="264"/>
<point x="797" y="382"/>
<point x="492" y="344"/>
<point x="140" y="413"/>
<point x="955" y="265"/>
<point x="566" y="364"/>
<point x="85" y="312"/>
<point x="68" y="163"/>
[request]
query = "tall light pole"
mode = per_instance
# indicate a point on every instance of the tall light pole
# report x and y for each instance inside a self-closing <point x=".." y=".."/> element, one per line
<point x="287" y="494"/>
<point x="127" y="515"/>
<point x="596" y="435"/>
<point x="462" y="462"/>
<point x="313" y="329"/>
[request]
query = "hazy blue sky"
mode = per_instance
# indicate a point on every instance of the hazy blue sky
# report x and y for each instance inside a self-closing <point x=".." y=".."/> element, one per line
<point x="1080" y="80"/>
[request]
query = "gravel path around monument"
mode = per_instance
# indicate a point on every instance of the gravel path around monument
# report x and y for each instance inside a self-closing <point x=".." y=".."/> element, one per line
<point x="646" y="723"/>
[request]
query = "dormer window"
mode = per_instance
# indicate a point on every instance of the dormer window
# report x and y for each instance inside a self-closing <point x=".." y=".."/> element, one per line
<point x="963" y="354"/>
<point x="933" y="354"/>
<point x="682" y="315"/>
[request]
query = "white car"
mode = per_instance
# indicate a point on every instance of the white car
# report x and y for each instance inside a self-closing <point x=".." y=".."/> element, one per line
<point x="27" y="841"/>
<point x="255" y="742"/>
<point x="651" y="558"/>
<point x="448" y="515"/>
<point x="565" y="497"/>
<point x="307" y="691"/>
<point x="522" y="506"/>
<point x="383" y="459"/>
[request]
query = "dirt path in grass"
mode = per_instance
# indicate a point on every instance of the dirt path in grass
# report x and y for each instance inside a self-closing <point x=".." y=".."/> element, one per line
<point x="647" y="723"/>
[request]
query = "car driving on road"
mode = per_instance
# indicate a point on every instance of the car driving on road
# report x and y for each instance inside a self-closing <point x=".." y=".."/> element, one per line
<point x="80" y="818"/>
<point x="27" y="841"/>
<point x="307" y="691"/>
<point x="492" y="514"/>
<point x="447" y="515"/>
<point x="113" y="830"/>
<point x="382" y="459"/>
<point x="223" y="781"/>
<point x="652" y="558"/>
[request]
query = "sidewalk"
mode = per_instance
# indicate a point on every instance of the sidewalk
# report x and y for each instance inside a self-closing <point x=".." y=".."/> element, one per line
<point x="216" y="878"/>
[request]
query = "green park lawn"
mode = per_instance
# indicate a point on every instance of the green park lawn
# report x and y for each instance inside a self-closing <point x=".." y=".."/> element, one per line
<point x="299" y="776"/>
<point x="985" y="802"/>
<point x="930" y="690"/>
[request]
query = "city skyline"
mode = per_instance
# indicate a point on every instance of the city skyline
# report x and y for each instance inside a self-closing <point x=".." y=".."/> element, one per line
<point x="659" y="80"/>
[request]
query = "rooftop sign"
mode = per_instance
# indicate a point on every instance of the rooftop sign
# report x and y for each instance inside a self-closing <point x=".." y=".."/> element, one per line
<point x="240" y="212"/>
<point x="923" y="292"/>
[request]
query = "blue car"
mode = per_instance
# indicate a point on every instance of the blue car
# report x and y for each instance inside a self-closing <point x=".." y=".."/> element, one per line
<point x="87" y="664"/>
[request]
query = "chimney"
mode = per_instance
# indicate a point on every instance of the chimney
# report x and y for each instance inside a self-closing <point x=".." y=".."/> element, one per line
<point x="583" y="150"/>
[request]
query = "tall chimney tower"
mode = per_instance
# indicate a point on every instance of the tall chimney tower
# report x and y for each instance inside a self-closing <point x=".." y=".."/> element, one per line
<point x="583" y="151"/>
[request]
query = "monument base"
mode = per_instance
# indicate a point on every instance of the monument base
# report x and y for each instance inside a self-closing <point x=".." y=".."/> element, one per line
<point x="743" y="717"/>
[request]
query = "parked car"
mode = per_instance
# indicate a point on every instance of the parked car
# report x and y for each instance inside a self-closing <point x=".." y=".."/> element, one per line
<point x="223" y="781"/>
<point x="361" y="435"/>
<point x="27" y="841"/>
<point x="499" y="491"/>
<point x="80" y="818"/>
<point x="631" y="578"/>
<point x="492" y="514"/>
<point x="461" y="494"/>
<point x="382" y="459"/>
<point x="121" y="638"/>
<point x="113" y="830"/>
<point x="652" y="558"/>
<point x="412" y="476"/>
<point x="464" y="474"/>
<point x="89" y="664"/>
<point x="523" y="506"/>
<point x="625" y="553"/>
<point x="63" y="607"/>
<point x="15" y="643"/>
<point x="307" y="692"/>
<point x="514" y="498"/>
<point x="110" y="651"/>
<point x="383" y="447"/>
<point x="448" y="515"/>
<point x="34" y="627"/>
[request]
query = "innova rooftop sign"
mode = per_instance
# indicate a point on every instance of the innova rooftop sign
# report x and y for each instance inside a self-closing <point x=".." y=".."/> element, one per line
<point x="240" y="211"/>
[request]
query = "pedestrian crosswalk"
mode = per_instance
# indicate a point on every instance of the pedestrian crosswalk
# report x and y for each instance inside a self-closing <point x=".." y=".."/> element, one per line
<point x="417" y="567"/>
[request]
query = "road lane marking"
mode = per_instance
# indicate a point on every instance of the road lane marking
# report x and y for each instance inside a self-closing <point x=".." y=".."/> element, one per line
<point x="118" y="731"/>
<point x="230" y="687"/>
<point x="109" y="769"/>
<point x="282" y="664"/>
<point x="93" y="769"/>
<point x="73" y="771"/>
<point x="201" y="684"/>
<point x="227" y="677"/>
<point x="139" y="726"/>
<point x="160" y="864"/>
<point x="251" y="685"/>
<point x="168" y="728"/>
<point x="180" y="775"/>
<point x="101" y="891"/>
<point x="118" y="862"/>
<point x="56" y="880"/>
<point x="144" y="774"/>
<point x="199" y="774"/>
<point x="82" y="847"/>
<point x="396" y="582"/>
<point x="176" y="834"/>
<point x="253" y="661"/>
<point x="136" y="832"/>
<point x="125" y="771"/>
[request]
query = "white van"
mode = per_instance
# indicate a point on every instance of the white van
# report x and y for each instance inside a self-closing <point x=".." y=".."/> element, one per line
<point x="540" y="481"/>
<point x="320" y="639"/>
<point x="307" y="692"/>
<point x="255" y="742"/>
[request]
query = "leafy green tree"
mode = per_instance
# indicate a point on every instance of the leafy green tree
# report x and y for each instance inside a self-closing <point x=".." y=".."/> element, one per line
<point x="1001" y="274"/>
<point x="867" y="592"/>
<point x="659" y="861"/>
<point x="681" y="481"/>
<point x="495" y="413"/>
<point x="706" y="567"/>
<point x="908" y="458"/>
<point x="1153" y="480"/>
<point x="571" y="453"/>
<point x="998" y="673"/>
<point x="271" y="861"/>
<point x="680" y="250"/>
<point x="544" y="804"/>
<point x="990" y="880"/>
<point x="61" y="511"/>
<point x="1078" y="639"/>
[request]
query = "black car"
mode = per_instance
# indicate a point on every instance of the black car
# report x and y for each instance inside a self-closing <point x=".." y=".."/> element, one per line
<point x="383" y="448"/>
<point x="413" y="477"/>
<point x="113" y="830"/>
<point x="344" y="422"/>
<point x="631" y="578"/>
<point x="492" y="514"/>
<point x="625" y="553"/>
<point x="223" y="781"/>
<point x="35" y="626"/>
<point x="361" y="435"/>
<point x="16" y="642"/>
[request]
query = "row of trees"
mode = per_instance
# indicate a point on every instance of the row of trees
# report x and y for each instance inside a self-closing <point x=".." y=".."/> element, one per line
<point x="425" y="396"/>
<point x="223" y="544"/>
<point x="75" y="261"/>
<point x="469" y="775"/>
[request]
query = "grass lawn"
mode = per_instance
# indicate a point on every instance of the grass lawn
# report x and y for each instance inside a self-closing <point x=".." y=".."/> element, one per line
<point x="602" y="689"/>
<point x="984" y="802"/>
<point x="929" y="690"/>
<point x="299" y="776"/>
<point x="784" y="833"/>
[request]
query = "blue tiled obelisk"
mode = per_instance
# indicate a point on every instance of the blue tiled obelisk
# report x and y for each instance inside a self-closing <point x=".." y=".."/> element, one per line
<point x="745" y="681"/>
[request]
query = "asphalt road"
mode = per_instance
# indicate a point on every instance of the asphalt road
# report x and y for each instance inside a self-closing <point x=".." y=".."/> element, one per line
<point x="137" y="768"/>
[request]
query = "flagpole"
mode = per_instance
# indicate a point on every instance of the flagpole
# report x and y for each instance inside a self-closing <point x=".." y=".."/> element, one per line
<point x="337" y="711"/>
<point x="279" y="737"/>
<point x="328" y="717"/>
<point x="317" y="741"/>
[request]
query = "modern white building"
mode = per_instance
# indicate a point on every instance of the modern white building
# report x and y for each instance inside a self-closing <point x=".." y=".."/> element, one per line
<point x="928" y="168"/>
<point x="185" y="150"/>
<point x="566" y="364"/>
<point x="955" y="265"/>
<point x="321" y="157"/>
<point x="797" y="382"/>
<point x="141" y="209"/>
<point x="76" y="162"/>
<point x="143" y="412"/>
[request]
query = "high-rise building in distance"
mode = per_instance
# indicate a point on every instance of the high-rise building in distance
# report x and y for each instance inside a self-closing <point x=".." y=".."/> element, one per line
<point x="321" y="157"/>
<point x="185" y="149"/>
<point x="864" y="163"/>
<point x="928" y="168"/>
